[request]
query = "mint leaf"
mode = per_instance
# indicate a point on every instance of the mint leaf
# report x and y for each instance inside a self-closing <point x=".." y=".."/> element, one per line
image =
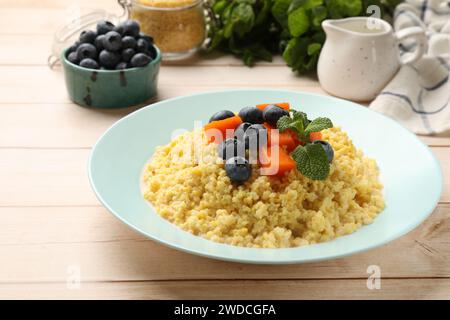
<point x="314" y="48"/>
<point x="219" y="6"/>
<point x="262" y="15"/>
<point x="296" y="53"/>
<point x="285" y="123"/>
<point x="243" y="18"/>
<point x="306" y="4"/>
<point x="280" y="11"/>
<point x="318" y="15"/>
<point x="297" y="123"/>
<point x="351" y="8"/>
<point x="319" y="124"/>
<point x="227" y="12"/>
<point x="301" y="121"/>
<point x="293" y="52"/>
<point x="299" y="115"/>
<point x="297" y="126"/>
<point x="312" y="161"/>
<point x="216" y="40"/>
<point x="298" y="22"/>
<point x="295" y="4"/>
<point x="344" y="8"/>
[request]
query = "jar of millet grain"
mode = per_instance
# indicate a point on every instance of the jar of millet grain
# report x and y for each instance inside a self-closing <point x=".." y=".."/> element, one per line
<point x="178" y="27"/>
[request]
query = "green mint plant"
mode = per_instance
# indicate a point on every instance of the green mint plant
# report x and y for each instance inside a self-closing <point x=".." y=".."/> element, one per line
<point x="311" y="159"/>
<point x="257" y="29"/>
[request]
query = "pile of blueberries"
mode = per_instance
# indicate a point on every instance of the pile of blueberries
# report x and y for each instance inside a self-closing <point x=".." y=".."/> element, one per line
<point x="112" y="47"/>
<point x="249" y="136"/>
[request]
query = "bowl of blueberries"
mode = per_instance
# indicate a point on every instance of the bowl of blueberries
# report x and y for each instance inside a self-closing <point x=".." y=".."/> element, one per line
<point x="114" y="66"/>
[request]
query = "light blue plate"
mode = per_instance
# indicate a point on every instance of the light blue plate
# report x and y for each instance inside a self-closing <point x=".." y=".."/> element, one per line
<point x="410" y="173"/>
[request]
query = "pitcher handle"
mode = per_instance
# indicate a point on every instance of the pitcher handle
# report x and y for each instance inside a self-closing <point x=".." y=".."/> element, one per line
<point x="418" y="34"/>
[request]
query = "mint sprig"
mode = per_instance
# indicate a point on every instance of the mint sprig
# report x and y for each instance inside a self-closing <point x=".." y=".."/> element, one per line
<point x="297" y="122"/>
<point x="312" y="161"/>
<point x="318" y="124"/>
<point x="300" y="116"/>
<point x="300" y="124"/>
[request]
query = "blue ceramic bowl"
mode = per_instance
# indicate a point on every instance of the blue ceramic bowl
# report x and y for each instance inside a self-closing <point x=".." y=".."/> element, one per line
<point x="410" y="173"/>
<point x="111" y="88"/>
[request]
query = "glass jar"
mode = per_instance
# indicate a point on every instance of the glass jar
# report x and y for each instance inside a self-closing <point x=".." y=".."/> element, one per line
<point x="67" y="34"/>
<point x="178" y="27"/>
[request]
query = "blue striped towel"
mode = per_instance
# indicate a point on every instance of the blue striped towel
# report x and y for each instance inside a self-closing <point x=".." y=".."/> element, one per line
<point x="419" y="95"/>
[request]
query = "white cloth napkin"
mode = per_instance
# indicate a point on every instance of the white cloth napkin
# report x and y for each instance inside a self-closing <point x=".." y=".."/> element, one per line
<point x="419" y="95"/>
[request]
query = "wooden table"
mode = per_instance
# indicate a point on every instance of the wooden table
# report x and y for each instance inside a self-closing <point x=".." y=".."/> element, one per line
<point x="53" y="230"/>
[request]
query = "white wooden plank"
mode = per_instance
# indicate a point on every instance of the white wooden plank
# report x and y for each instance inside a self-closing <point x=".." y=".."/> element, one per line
<point x="54" y="239"/>
<point x="413" y="289"/>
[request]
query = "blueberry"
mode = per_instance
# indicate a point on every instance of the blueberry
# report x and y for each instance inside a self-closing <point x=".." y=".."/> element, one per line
<point x="108" y="59"/>
<point x="73" y="47"/>
<point x="224" y="114"/>
<point x="140" y="60"/>
<point x="130" y="28"/>
<point x="88" y="36"/>
<point x="255" y="136"/>
<point x="231" y="148"/>
<point x="240" y="130"/>
<point x="86" y="50"/>
<point x="73" y="57"/>
<point x="104" y="27"/>
<point x="89" y="63"/>
<point x="128" y="42"/>
<point x="327" y="147"/>
<point x="121" y="66"/>
<point x="272" y="113"/>
<point x="146" y="38"/>
<point x="127" y="54"/>
<point x="238" y="169"/>
<point x="113" y="41"/>
<point x="142" y="45"/>
<point x="119" y="29"/>
<point x="151" y="51"/>
<point x="99" y="42"/>
<point x="251" y="114"/>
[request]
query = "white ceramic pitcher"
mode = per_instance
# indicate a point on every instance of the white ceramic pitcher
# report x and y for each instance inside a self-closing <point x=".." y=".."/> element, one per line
<point x="360" y="56"/>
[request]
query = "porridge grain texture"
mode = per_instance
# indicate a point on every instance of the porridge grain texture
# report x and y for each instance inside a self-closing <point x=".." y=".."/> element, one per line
<point x="187" y="185"/>
<point x="176" y="25"/>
